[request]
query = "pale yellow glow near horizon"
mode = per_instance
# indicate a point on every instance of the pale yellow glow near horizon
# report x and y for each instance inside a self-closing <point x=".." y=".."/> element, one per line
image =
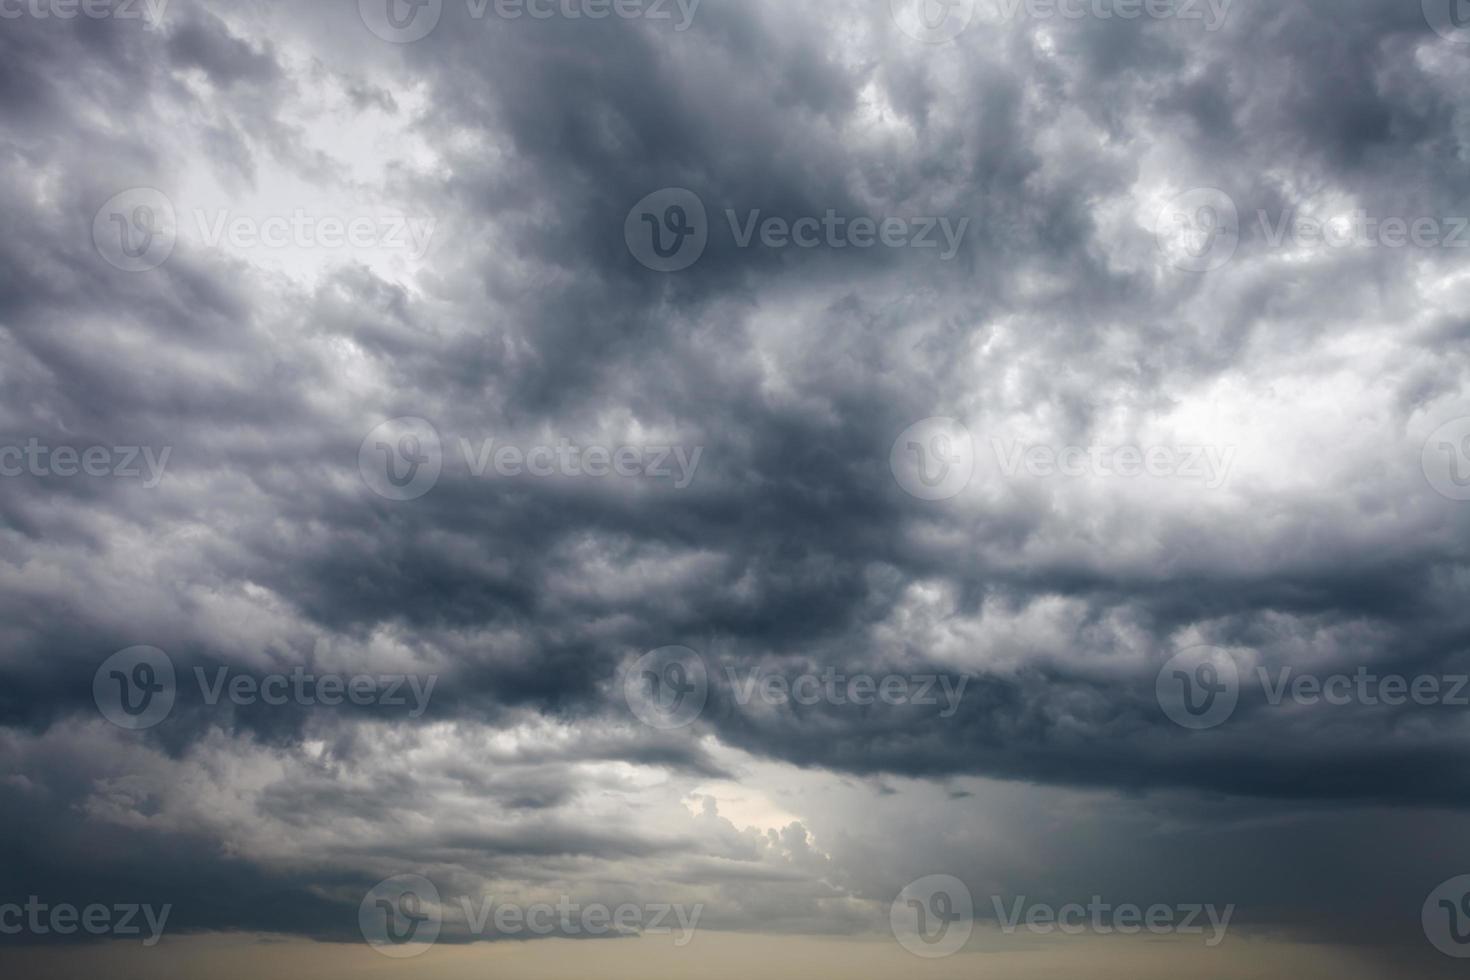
<point x="712" y="956"/>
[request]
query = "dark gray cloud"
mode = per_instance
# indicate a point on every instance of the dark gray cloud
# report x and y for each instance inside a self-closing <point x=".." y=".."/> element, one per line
<point x="1318" y="372"/>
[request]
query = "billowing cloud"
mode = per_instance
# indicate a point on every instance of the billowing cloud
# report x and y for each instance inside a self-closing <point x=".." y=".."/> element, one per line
<point x="998" y="371"/>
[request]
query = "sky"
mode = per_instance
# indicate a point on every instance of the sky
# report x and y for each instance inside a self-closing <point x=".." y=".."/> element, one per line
<point x="639" y="487"/>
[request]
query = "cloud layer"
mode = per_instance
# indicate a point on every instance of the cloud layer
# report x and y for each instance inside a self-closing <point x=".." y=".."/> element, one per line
<point x="494" y="293"/>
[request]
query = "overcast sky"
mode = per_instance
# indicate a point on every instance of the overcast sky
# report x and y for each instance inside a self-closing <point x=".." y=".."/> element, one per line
<point x="737" y="454"/>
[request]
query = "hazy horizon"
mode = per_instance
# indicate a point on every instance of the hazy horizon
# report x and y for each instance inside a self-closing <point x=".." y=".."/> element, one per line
<point x="651" y="488"/>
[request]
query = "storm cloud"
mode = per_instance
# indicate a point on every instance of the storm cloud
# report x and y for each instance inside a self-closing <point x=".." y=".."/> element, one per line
<point x="495" y="358"/>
